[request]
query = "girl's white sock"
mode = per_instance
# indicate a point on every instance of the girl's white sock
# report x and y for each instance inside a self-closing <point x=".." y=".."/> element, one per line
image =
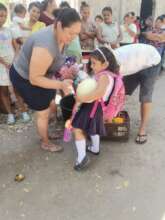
<point x="81" y="150"/>
<point x="95" y="147"/>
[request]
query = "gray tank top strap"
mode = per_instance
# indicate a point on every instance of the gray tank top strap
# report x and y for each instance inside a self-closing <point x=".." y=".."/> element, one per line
<point x="44" y="38"/>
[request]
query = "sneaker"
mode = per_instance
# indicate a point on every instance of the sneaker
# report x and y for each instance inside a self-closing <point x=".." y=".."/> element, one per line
<point x="84" y="163"/>
<point x="25" y="117"/>
<point x="10" y="119"/>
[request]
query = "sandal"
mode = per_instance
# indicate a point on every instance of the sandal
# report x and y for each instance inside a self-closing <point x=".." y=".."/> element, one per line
<point x="141" y="139"/>
<point x="51" y="147"/>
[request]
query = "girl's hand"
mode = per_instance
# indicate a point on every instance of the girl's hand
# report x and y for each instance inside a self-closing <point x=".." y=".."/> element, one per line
<point x="7" y="65"/>
<point x="78" y="100"/>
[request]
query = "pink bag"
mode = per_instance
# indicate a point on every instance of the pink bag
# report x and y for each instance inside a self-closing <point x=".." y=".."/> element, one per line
<point x="68" y="126"/>
<point x="116" y="99"/>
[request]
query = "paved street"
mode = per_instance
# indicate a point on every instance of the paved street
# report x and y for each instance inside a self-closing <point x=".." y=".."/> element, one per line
<point x="125" y="182"/>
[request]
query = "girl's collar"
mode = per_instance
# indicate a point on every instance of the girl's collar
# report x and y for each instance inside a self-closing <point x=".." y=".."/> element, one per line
<point x="99" y="73"/>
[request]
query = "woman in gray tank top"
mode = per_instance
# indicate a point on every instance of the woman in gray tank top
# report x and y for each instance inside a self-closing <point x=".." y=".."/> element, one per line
<point x="40" y="57"/>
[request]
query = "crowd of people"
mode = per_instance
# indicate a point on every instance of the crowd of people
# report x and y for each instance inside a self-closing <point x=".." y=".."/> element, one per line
<point x="33" y="48"/>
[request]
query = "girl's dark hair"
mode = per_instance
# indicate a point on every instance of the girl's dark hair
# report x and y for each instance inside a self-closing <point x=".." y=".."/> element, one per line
<point x="34" y="4"/>
<point x="44" y="4"/>
<point x="128" y="15"/>
<point x="19" y="8"/>
<point x="113" y="65"/>
<point x="99" y="16"/>
<point x="3" y="7"/>
<point x="64" y="4"/>
<point x="83" y="5"/>
<point x="132" y="13"/>
<point x="107" y="9"/>
<point x="137" y="18"/>
<point x="67" y="17"/>
<point x="161" y="18"/>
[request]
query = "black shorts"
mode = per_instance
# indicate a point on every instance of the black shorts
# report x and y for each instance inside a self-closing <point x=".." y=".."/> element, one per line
<point x="35" y="97"/>
<point x="146" y="79"/>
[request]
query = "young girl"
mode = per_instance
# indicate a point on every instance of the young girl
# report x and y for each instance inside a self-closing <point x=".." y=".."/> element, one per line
<point x="6" y="59"/>
<point x="153" y="37"/>
<point x="129" y="31"/>
<point x="109" y="32"/>
<point x="101" y="59"/>
<point x="88" y="30"/>
<point x="98" y="20"/>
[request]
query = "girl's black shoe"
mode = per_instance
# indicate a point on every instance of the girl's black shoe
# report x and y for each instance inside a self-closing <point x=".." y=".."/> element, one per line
<point x="84" y="163"/>
<point x="94" y="153"/>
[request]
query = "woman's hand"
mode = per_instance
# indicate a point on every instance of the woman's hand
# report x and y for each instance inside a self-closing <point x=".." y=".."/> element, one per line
<point x="67" y="86"/>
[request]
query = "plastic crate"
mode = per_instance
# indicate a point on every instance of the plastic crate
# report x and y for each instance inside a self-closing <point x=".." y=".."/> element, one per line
<point x="118" y="131"/>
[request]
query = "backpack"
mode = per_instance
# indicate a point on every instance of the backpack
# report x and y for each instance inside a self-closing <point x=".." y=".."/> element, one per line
<point x="116" y="99"/>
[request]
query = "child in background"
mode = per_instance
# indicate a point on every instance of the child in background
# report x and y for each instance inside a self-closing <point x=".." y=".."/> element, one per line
<point x="153" y="37"/>
<point x="136" y="21"/>
<point x="160" y="29"/>
<point x="6" y="59"/>
<point x="19" y="28"/>
<point x="109" y="32"/>
<point x="88" y="30"/>
<point x="102" y="59"/>
<point x="33" y="22"/>
<point x="128" y="30"/>
<point x="98" y="20"/>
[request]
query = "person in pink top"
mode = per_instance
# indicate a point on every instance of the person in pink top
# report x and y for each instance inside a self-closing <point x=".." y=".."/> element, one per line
<point x="48" y="6"/>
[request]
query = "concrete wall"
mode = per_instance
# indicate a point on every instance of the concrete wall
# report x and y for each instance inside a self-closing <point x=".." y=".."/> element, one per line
<point x="160" y="7"/>
<point x="120" y="7"/>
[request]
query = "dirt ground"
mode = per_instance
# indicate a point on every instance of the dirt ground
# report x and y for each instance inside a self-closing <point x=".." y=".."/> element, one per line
<point x="125" y="182"/>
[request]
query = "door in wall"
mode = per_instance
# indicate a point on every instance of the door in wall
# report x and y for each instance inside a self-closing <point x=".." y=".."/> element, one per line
<point x="147" y="7"/>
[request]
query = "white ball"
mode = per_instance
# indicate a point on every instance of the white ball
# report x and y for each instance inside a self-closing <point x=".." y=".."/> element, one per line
<point x="86" y="87"/>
